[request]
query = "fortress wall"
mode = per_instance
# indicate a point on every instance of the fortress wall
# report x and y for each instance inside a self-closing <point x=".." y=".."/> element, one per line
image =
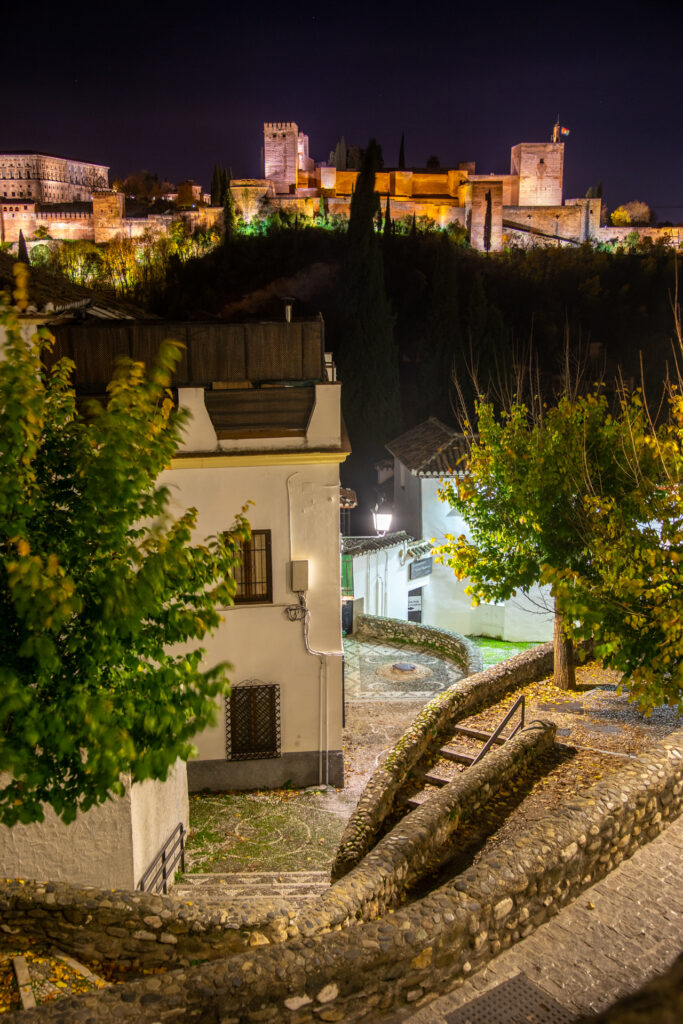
<point x="562" y="222"/>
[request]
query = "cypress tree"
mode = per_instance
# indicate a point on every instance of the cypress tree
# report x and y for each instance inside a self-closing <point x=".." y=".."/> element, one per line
<point x="22" y="250"/>
<point x="402" y="153"/>
<point x="387" y="219"/>
<point x="229" y="218"/>
<point x="442" y="350"/>
<point x="367" y="356"/>
<point x="487" y="223"/>
<point x="216" y="186"/>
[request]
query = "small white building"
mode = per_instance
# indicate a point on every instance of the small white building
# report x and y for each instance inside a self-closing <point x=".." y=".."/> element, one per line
<point x="424" y="457"/>
<point x="385" y="576"/>
<point x="278" y="448"/>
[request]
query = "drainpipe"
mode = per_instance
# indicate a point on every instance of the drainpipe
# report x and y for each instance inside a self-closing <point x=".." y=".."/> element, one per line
<point x="302" y="612"/>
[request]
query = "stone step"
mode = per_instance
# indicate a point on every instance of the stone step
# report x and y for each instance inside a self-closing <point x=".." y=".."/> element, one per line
<point x="456" y="755"/>
<point x="296" y="886"/>
<point x="476" y="734"/>
<point x="431" y="779"/>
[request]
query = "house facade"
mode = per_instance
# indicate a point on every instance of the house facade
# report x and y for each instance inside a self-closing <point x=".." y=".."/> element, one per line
<point x="423" y="458"/>
<point x="265" y="432"/>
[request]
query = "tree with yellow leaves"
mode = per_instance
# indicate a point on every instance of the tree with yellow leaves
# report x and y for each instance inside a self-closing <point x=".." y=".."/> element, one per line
<point x="98" y="587"/>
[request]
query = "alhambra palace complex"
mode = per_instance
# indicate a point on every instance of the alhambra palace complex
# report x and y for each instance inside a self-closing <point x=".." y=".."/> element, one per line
<point x="71" y="199"/>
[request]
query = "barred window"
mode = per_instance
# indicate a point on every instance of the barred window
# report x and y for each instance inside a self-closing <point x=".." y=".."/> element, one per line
<point x="252" y="721"/>
<point x="254" y="575"/>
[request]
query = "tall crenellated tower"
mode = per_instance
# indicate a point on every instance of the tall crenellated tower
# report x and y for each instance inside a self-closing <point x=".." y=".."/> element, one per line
<point x="108" y="209"/>
<point x="539" y="166"/>
<point x="281" y="154"/>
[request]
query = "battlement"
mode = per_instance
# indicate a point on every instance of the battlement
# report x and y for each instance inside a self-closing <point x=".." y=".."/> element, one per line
<point x="280" y="126"/>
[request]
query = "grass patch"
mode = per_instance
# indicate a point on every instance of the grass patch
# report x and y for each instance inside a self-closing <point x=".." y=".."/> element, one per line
<point x="279" y="830"/>
<point x="495" y="651"/>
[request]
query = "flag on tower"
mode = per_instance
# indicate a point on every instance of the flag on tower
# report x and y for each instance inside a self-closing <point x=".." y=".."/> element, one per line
<point x="564" y="131"/>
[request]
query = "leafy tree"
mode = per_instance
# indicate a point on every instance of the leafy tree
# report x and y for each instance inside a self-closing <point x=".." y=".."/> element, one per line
<point x="524" y="498"/>
<point x="433" y="163"/>
<point x="631" y="600"/>
<point x="635" y="212"/>
<point x="98" y="587"/>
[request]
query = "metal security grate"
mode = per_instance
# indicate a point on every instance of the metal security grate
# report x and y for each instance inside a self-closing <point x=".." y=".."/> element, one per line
<point x="252" y="722"/>
<point x="254" y="576"/>
<point x="516" y="1001"/>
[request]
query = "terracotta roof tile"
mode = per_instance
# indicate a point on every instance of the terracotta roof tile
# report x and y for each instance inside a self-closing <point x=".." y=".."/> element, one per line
<point x="430" y="449"/>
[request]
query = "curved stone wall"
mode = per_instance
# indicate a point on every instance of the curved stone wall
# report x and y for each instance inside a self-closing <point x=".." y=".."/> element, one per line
<point x="426" y="947"/>
<point x="448" y="645"/>
<point x="421" y="742"/>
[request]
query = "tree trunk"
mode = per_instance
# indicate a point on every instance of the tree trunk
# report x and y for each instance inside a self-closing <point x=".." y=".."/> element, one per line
<point x="563" y="673"/>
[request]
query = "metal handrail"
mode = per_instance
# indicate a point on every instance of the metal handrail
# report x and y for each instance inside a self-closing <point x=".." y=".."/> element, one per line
<point x="163" y="865"/>
<point x="520" y="725"/>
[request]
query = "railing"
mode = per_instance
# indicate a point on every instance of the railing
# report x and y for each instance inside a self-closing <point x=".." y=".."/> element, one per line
<point x="155" y="878"/>
<point x="519" y="703"/>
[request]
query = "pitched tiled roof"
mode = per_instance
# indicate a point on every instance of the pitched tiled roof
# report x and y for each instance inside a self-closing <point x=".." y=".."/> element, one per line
<point x="431" y="449"/>
<point x="358" y="545"/>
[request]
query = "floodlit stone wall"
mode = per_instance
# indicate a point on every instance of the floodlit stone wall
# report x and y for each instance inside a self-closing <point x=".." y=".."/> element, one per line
<point x="49" y="179"/>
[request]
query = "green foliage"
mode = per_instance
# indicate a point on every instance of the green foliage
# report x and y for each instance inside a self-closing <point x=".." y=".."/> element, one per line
<point x="587" y="500"/>
<point x="631" y="600"/>
<point x="99" y="588"/>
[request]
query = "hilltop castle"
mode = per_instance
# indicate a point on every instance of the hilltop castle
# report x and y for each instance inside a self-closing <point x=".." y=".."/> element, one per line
<point x="526" y="203"/>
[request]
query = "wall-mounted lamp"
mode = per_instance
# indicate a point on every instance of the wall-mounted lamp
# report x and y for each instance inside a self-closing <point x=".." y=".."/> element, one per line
<point x="381" y="518"/>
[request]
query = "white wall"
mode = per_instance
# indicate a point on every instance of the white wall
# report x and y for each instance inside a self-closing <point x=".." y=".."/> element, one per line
<point x="380" y="578"/>
<point x="109" y="846"/>
<point x="156" y="809"/>
<point x="445" y="604"/>
<point x="300" y="505"/>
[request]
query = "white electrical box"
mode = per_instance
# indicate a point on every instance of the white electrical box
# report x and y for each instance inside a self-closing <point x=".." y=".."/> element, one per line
<point x="299" y="576"/>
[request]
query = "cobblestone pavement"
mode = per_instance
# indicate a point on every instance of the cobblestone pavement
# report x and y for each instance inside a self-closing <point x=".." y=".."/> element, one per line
<point x="369" y="673"/>
<point x="606" y="944"/>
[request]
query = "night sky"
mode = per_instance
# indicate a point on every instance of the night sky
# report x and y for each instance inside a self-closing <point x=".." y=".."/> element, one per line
<point x="174" y="92"/>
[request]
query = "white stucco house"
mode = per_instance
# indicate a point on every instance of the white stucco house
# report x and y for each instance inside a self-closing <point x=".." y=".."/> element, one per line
<point x="277" y="446"/>
<point x="266" y="429"/>
<point x="395" y="575"/>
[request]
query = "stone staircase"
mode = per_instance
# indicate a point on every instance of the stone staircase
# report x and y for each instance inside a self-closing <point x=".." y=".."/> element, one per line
<point x="296" y="887"/>
<point x="450" y="761"/>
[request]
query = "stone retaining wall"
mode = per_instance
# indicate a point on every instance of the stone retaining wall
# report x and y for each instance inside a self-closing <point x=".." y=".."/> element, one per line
<point x="432" y="727"/>
<point x="446" y="644"/>
<point x="142" y="931"/>
<point x="424" y="948"/>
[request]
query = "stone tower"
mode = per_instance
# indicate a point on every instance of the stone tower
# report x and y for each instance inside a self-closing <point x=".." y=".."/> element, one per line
<point x="281" y="154"/>
<point x="539" y="167"/>
<point x="108" y="209"/>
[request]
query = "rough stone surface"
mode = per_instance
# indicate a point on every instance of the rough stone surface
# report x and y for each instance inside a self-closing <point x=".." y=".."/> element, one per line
<point x="420" y="744"/>
<point x="379" y="964"/>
